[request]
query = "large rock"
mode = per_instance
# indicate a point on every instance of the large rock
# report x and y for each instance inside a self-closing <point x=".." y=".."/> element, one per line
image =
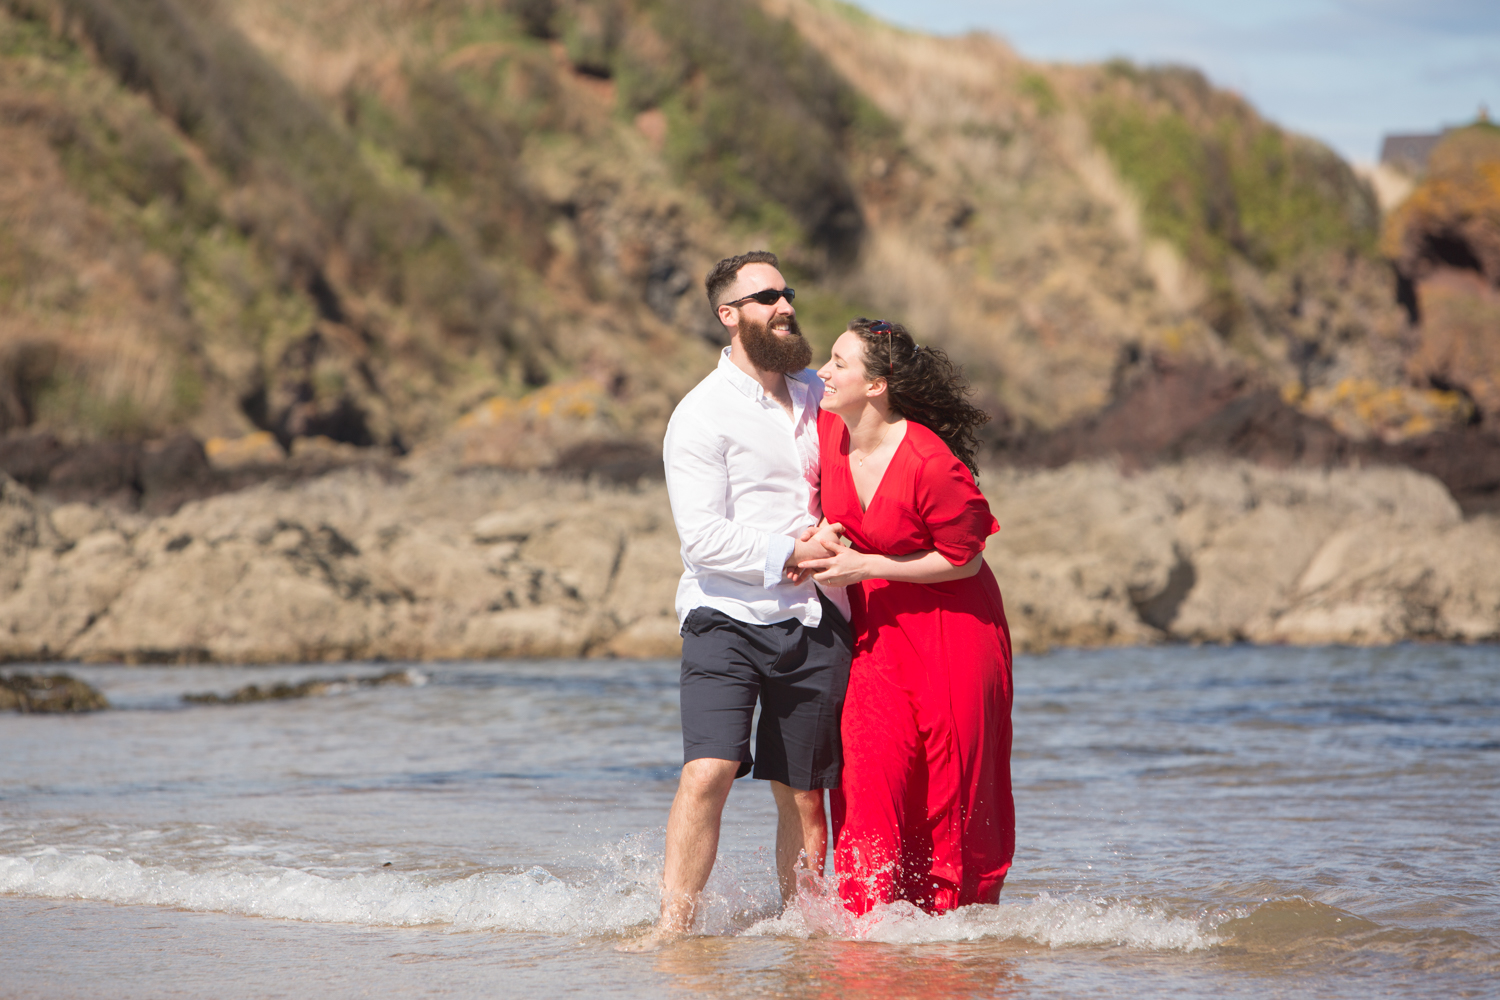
<point x="54" y="693"/>
<point x="1229" y="552"/>
<point x="1382" y="580"/>
<point x="1074" y="545"/>
<point x="357" y="564"/>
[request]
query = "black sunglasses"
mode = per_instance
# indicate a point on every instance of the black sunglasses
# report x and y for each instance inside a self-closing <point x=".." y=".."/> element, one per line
<point x="767" y="296"/>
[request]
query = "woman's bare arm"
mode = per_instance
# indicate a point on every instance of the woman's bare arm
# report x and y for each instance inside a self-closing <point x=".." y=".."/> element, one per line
<point x="848" y="566"/>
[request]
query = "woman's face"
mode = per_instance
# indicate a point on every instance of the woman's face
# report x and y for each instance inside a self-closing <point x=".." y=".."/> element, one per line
<point x="845" y="385"/>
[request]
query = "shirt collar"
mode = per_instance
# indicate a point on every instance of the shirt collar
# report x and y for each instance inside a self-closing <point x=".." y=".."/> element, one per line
<point x="798" y="383"/>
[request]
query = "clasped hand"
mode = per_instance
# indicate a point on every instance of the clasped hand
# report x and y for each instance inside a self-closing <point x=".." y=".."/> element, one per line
<point x="824" y="554"/>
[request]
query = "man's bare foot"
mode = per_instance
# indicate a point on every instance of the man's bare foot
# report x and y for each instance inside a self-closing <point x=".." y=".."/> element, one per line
<point x="654" y="939"/>
<point x="810" y="885"/>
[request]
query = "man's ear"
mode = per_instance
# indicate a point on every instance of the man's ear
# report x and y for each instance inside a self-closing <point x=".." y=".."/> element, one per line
<point x="727" y="318"/>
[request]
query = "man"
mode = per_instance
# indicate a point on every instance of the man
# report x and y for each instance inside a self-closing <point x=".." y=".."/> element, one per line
<point x="741" y="455"/>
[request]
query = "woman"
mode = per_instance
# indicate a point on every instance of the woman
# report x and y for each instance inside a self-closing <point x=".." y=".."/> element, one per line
<point x="925" y="811"/>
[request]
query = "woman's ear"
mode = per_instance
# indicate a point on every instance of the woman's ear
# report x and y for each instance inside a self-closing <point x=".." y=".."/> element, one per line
<point x="875" y="387"/>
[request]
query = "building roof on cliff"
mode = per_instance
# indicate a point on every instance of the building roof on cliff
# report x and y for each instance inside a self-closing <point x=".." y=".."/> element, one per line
<point x="1409" y="152"/>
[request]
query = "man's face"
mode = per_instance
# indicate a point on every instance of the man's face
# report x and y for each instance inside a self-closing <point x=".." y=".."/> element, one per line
<point x="769" y="335"/>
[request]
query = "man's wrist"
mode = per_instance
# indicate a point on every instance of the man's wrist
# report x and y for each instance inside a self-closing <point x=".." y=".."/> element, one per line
<point x="779" y="552"/>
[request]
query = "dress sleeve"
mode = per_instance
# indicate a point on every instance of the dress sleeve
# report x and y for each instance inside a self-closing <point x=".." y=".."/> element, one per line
<point x="956" y="514"/>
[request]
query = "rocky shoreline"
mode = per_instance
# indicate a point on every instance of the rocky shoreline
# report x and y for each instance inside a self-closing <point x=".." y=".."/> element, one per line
<point x="414" y="562"/>
<point x="1219" y="552"/>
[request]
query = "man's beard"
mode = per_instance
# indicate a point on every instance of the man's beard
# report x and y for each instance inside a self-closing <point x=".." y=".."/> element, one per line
<point x="771" y="352"/>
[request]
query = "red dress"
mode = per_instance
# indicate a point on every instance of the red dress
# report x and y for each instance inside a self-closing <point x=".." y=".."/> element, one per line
<point x="925" y="811"/>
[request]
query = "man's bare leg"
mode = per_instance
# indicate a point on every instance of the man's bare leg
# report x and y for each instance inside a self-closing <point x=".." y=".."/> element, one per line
<point x="692" y="845"/>
<point x="801" y="832"/>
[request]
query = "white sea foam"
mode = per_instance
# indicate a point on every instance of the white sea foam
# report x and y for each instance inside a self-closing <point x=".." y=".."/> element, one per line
<point x="616" y="898"/>
<point x="534" y="900"/>
<point x="1068" y="921"/>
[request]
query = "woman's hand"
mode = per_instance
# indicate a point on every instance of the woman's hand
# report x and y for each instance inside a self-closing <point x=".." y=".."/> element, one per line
<point x="840" y="568"/>
<point x="815" y="542"/>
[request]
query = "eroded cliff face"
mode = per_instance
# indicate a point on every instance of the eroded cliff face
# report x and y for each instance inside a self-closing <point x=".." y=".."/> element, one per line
<point x="1445" y="240"/>
<point x="427" y="563"/>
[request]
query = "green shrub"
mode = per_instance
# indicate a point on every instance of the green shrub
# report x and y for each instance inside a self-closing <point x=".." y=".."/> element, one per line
<point x="1219" y="182"/>
<point x="1036" y="87"/>
<point x="537" y="17"/>
<point x="591" y="36"/>
<point x="762" y="116"/>
<point x="258" y="127"/>
<point x="647" y="69"/>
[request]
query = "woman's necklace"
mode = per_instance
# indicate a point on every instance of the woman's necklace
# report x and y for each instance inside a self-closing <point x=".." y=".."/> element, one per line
<point x="877" y="447"/>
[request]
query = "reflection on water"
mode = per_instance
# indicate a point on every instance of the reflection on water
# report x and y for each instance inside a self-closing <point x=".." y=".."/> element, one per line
<point x="1229" y="822"/>
<point x="836" y="970"/>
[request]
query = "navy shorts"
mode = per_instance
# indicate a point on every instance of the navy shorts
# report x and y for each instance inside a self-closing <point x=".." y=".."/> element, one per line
<point x="799" y="675"/>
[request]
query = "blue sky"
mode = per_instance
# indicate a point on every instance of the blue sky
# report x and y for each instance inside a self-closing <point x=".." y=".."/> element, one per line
<point x="1344" y="71"/>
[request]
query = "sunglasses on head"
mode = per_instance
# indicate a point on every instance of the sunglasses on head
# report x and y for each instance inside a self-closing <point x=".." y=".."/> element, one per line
<point x="767" y="296"/>
<point x="881" y="326"/>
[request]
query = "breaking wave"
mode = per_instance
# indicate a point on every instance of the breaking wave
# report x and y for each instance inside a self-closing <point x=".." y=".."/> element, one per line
<point x="616" y="896"/>
<point x="532" y="900"/>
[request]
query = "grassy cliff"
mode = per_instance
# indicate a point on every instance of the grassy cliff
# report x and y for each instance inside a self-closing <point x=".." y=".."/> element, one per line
<point x="484" y="223"/>
<point x="365" y="261"/>
<point x="1220" y="183"/>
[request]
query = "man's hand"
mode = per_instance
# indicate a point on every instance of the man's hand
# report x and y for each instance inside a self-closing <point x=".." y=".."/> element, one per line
<point x="816" y="542"/>
<point x="831" y="535"/>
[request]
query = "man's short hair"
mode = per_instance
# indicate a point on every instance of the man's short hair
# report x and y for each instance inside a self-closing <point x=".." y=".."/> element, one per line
<point x="726" y="270"/>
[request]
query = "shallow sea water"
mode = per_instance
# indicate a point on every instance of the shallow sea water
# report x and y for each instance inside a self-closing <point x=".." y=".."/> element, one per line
<point x="1191" y="822"/>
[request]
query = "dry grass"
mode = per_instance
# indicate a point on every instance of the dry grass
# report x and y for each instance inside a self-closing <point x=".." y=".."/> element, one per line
<point x="999" y="232"/>
<point x="1008" y="233"/>
<point x="89" y="336"/>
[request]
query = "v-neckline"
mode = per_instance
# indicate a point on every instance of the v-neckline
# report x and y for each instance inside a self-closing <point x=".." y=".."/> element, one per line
<point x="864" y="508"/>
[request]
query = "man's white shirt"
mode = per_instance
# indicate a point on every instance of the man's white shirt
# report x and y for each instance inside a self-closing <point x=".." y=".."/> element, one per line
<point x="743" y="481"/>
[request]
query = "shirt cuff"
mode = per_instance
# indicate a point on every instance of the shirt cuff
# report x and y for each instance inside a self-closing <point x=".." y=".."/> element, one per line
<point x="779" y="549"/>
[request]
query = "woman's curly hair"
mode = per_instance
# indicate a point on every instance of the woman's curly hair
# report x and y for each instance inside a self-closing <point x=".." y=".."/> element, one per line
<point x="922" y="384"/>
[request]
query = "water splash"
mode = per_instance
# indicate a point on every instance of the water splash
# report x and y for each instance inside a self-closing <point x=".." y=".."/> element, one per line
<point x="1057" y="922"/>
